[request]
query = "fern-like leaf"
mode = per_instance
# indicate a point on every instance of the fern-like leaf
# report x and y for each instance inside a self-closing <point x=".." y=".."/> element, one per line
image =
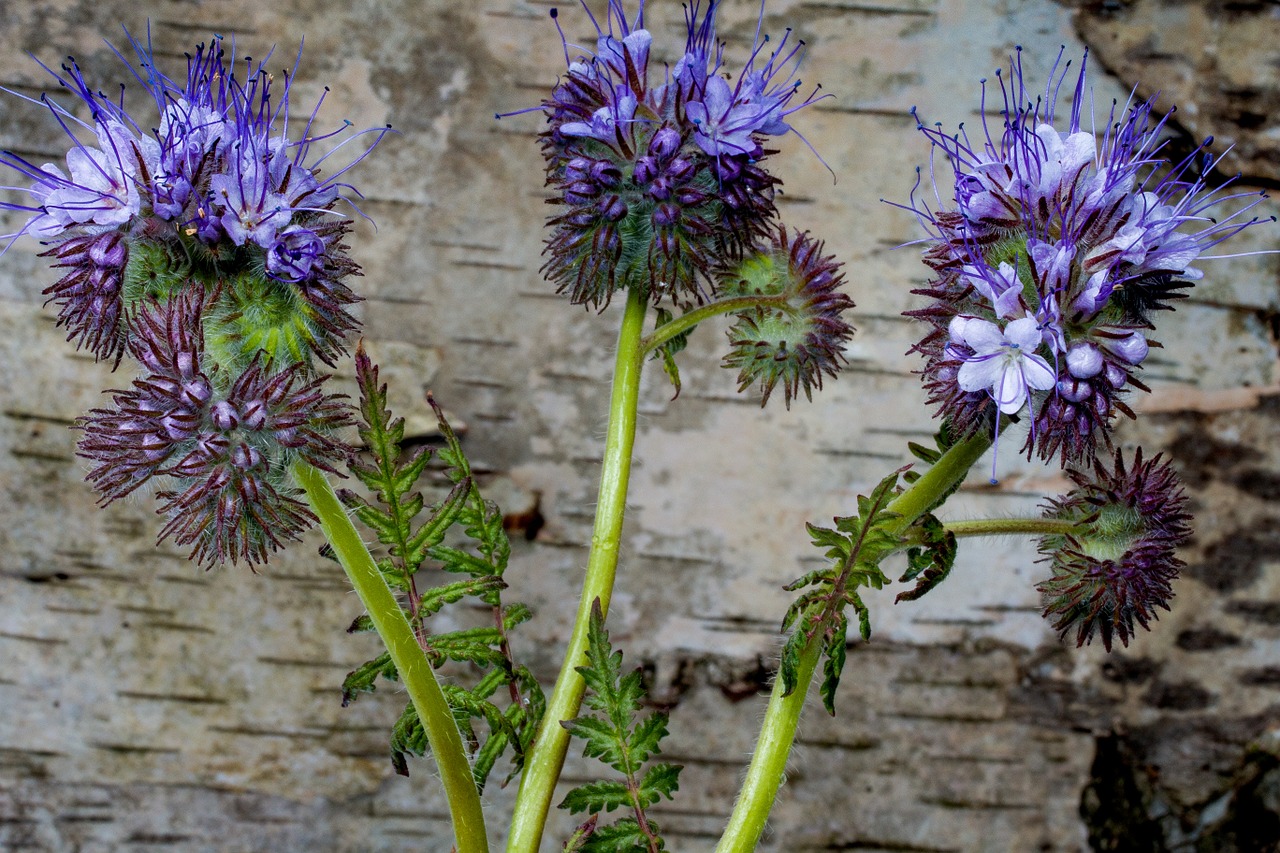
<point x="613" y="736"/>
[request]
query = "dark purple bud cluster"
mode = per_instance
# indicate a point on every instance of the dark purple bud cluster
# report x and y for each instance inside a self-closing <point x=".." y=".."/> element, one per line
<point x="800" y="336"/>
<point x="1118" y="566"/>
<point x="222" y="451"/>
<point x="1060" y="246"/>
<point x="210" y="250"/>
<point x="90" y="296"/>
<point x="661" y="183"/>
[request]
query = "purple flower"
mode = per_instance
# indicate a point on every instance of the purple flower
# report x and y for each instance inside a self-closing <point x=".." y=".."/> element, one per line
<point x="1001" y="362"/>
<point x="101" y="190"/>
<point x="294" y="253"/>
<point x="252" y="210"/>
<point x="1089" y="234"/>
<point x="690" y="141"/>
<point x="220" y="161"/>
<point x="1116" y="567"/>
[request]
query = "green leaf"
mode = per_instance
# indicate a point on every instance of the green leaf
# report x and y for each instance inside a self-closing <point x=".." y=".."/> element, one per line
<point x="835" y="651"/>
<point x="597" y="797"/>
<point x="924" y="454"/>
<point x="789" y="666"/>
<point x="611" y="737"/>
<point x="407" y="738"/>
<point x="932" y="562"/>
<point x="432" y="600"/>
<point x="361" y="679"/>
<point x="624" y="836"/>
<point x="443" y="515"/>
<point x="602" y="740"/>
<point x="661" y="780"/>
<point x="649" y="732"/>
<point x="668" y="351"/>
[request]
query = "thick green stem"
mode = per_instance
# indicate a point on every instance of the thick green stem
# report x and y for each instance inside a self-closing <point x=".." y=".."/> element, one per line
<point x="544" y="762"/>
<point x="412" y="665"/>
<point x="685" y="322"/>
<point x="1014" y="526"/>
<point x="769" y="761"/>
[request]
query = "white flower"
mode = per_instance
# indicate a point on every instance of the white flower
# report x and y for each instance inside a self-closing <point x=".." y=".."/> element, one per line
<point x="1004" y="362"/>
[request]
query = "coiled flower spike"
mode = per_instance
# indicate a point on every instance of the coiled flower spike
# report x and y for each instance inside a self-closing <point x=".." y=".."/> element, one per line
<point x="220" y="453"/>
<point x="661" y="181"/>
<point x="210" y="250"/>
<point x="1080" y="235"/>
<point x="1117" y="566"/>
<point x="218" y="186"/>
<point x="800" y="337"/>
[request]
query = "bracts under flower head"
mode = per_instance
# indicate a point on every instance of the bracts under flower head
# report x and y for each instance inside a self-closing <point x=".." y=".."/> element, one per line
<point x="1058" y="245"/>
<point x="210" y="250"/>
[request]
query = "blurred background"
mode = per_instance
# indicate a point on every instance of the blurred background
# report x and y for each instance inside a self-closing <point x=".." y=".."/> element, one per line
<point x="150" y="705"/>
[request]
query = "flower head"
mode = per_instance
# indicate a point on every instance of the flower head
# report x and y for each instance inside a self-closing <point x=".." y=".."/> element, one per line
<point x="221" y="183"/>
<point x="1082" y="235"/>
<point x="661" y="179"/>
<point x="1117" y="565"/>
<point x="798" y="339"/>
<point x="220" y="453"/>
<point x="210" y="250"/>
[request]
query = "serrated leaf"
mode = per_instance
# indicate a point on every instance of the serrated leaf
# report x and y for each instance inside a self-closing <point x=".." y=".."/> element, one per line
<point x="431" y="600"/>
<point x="789" y="665"/>
<point x="601" y="740"/>
<point x="458" y="561"/>
<point x="407" y="738"/>
<point x="932" y="561"/>
<point x="835" y="651"/>
<point x="648" y="733"/>
<point x="432" y="532"/>
<point x="597" y="797"/>
<point x="624" y="836"/>
<point x="864" y="616"/>
<point x="661" y="780"/>
<point x="668" y="351"/>
<point x="361" y="624"/>
<point x="362" y="679"/>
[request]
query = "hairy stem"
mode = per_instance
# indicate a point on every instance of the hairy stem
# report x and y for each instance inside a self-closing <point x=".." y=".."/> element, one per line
<point x="414" y="669"/>
<point x="685" y="322"/>
<point x="546" y="758"/>
<point x="769" y="761"/>
<point x="1012" y="526"/>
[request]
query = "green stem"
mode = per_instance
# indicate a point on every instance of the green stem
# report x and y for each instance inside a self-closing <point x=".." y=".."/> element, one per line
<point x="412" y="666"/>
<point x="545" y="761"/>
<point x="769" y="761"/>
<point x="1014" y="526"/>
<point x="685" y="322"/>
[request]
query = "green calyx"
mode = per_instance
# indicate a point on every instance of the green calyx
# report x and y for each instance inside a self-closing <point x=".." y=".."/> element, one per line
<point x="257" y="316"/>
<point x="1112" y="533"/>
<point x="155" y="270"/>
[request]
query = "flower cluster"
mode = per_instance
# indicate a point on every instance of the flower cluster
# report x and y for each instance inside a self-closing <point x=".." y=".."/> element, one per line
<point x="1117" y="566"/>
<point x="662" y="179"/>
<point x="797" y="337"/>
<point x="1060" y="246"/>
<point x="209" y="249"/>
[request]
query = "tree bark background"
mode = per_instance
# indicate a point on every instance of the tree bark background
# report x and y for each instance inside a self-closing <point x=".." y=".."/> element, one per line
<point x="150" y="705"/>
